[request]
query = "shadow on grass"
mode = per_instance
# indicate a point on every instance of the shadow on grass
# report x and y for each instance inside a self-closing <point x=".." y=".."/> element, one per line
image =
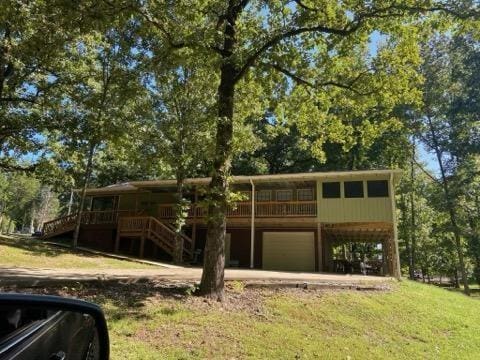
<point x="36" y="246"/>
<point x="474" y="292"/>
<point x="120" y="300"/>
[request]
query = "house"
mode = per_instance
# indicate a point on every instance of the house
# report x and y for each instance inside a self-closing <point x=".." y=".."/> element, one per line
<point x="319" y="221"/>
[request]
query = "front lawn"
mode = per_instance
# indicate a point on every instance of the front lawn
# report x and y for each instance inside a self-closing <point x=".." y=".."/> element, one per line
<point x="412" y="321"/>
<point x="33" y="253"/>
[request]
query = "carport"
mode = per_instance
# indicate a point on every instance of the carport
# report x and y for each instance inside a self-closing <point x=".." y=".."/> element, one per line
<point x="358" y="248"/>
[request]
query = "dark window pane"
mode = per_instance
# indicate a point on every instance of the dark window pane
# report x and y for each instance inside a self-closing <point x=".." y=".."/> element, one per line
<point x="331" y="190"/>
<point x="103" y="203"/>
<point x="377" y="188"/>
<point x="353" y="189"/>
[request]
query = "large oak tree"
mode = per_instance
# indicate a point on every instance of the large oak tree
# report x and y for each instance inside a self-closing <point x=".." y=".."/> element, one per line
<point x="307" y="42"/>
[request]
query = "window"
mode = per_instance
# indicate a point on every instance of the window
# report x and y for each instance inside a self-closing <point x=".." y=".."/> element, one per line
<point x="284" y="195"/>
<point x="104" y="203"/>
<point x="264" y="195"/>
<point x="353" y="189"/>
<point x="331" y="190"/>
<point x="305" y="194"/>
<point x="377" y="188"/>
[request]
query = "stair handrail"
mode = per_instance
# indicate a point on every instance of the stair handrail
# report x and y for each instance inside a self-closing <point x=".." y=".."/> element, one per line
<point x="59" y="223"/>
<point x="155" y="222"/>
<point x="182" y="235"/>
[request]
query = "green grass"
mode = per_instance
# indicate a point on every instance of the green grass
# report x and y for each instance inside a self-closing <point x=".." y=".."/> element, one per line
<point x="33" y="253"/>
<point x="413" y="321"/>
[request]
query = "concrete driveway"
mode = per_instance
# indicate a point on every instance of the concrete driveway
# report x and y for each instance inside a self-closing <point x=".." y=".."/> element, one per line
<point x="24" y="276"/>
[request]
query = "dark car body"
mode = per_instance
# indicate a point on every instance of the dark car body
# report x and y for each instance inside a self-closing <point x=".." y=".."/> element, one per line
<point x="56" y="332"/>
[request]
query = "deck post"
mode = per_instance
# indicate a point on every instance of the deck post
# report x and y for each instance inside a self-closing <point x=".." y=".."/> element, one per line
<point x="252" y="227"/>
<point x="142" y="245"/>
<point x="319" y="247"/>
<point x="117" y="241"/>
<point x="194" y="221"/>
<point x="142" y="241"/>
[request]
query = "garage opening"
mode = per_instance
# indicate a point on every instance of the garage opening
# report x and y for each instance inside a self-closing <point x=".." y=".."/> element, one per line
<point x="289" y="251"/>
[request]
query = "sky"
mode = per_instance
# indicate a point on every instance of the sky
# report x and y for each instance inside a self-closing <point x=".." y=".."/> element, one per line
<point x="424" y="155"/>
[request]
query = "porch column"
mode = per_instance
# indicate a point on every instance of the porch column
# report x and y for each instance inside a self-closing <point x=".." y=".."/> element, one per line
<point x="319" y="247"/>
<point x="396" y="254"/>
<point x="252" y="227"/>
<point x="117" y="241"/>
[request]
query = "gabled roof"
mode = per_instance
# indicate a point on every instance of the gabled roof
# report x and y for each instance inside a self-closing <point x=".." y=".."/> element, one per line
<point x="136" y="186"/>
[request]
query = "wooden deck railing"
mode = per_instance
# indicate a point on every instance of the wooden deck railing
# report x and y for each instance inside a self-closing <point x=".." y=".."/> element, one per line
<point x="133" y="224"/>
<point x="244" y="209"/>
<point x="59" y="224"/>
<point x="67" y="223"/>
<point x="104" y="217"/>
<point x="286" y="208"/>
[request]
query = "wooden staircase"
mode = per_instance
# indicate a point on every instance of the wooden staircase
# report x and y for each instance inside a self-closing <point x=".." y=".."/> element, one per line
<point x="59" y="226"/>
<point x="148" y="227"/>
<point x="162" y="234"/>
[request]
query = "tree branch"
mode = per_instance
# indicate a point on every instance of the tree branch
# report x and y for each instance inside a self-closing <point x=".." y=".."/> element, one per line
<point x="392" y="11"/>
<point x="10" y="167"/>
<point x="309" y="84"/>
<point x="420" y="166"/>
<point x="18" y="99"/>
<point x="305" y="7"/>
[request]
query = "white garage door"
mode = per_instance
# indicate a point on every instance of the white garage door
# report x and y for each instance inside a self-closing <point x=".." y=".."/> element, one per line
<point x="290" y="251"/>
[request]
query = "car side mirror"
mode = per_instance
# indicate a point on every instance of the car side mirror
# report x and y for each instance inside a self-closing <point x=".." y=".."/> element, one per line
<point x="51" y="327"/>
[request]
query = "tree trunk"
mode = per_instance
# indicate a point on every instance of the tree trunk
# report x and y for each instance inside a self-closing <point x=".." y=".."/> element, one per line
<point x="214" y="259"/>
<point x="88" y="173"/>
<point x="212" y="282"/>
<point x="179" y="219"/>
<point x="406" y="232"/>
<point x="411" y="265"/>
<point x="70" y="203"/>
<point x="455" y="278"/>
<point x="9" y="226"/>
<point x="475" y="247"/>
<point x="22" y="230"/>
<point x="31" y="228"/>
<point x="450" y="208"/>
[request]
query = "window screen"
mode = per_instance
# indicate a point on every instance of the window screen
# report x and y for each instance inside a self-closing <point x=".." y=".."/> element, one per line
<point x="305" y="194"/>
<point x="284" y="195"/>
<point x="353" y="189"/>
<point x="264" y="195"/>
<point x="331" y="190"/>
<point x="377" y="188"/>
<point x="103" y="203"/>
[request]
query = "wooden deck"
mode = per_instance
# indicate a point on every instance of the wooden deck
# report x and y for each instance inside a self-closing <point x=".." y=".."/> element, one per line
<point x="127" y="224"/>
<point x="244" y="209"/>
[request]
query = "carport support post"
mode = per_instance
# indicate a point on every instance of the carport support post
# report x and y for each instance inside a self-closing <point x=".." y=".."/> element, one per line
<point x="142" y="245"/>
<point x="117" y="241"/>
<point x="194" y="222"/>
<point x="396" y="256"/>
<point x="252" y="227"/>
